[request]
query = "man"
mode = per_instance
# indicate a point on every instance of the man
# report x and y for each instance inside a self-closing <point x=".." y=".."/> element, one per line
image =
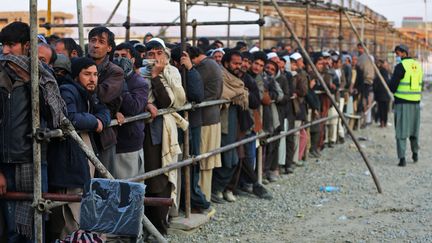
<point x="129" y="159"/>
<point x="233" y="90"/>
<point x="366" y="75"/>
<point x="406" y="84"/>
<point x="194" y="94"/>
<point x="271" y="116"/>
<point x="161" y="137"/>
<point x="16" y="162"/>
<point x="217" y="55"/>
<point x="68" y="47"/>
<point x="110" y="86"/>
<point x="211" y="75"/>
<point x="46" y="54"/>
<point x="68" y="167"/>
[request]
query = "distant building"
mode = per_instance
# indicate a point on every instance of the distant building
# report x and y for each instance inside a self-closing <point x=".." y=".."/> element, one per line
<point x="416" y="28"/>
<point x="24" y="16"/>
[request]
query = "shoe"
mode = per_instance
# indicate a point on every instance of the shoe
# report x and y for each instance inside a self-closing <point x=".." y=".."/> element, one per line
<point x="313" y="154"/>
<point x="341" y="140"/>
<point x="228" y="195"/>
<point x="415" y="157"/>
<point x="330" y="145"/>
<point x="299" y="163"/>
<point x="288" y="170"/>
<point x="272" y="178"/>
<point x="217" y="197"/>
<point x="261" y="192"/>
<point x="210" y="211"/>
<point x="265" y="181"/>
<point x="245" y="188"/>
<point x="241" y="193"/>
<point x="402" y="162"/>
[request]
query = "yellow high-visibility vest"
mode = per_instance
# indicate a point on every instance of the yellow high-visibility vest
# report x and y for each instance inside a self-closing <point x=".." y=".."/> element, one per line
<point x="410" y="86"/>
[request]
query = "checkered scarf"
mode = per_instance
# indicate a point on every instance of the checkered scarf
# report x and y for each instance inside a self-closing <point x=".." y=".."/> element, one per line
<point x="48" y="87"/>
<point x="23" y="209"/>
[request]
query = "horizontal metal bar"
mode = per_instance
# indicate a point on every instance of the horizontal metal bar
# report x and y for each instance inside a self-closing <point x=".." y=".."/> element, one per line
<point x="156" y="24"/>
<point x="289" y="132"/>
<point x="24" y="196"/>
<point x="189" y="161"/>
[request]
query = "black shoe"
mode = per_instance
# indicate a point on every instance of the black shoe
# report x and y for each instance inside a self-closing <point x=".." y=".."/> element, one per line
<point x="415" y="157"/>
<point x="288" y="170"/>
<point x="402" y="162"/>
<point x="261" y="192"/>
<point x="330" y="145"/>
<point x="341" y="140"/>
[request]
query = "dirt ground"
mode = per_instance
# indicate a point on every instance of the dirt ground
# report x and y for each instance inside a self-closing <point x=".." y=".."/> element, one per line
<point x="299" y="212"/>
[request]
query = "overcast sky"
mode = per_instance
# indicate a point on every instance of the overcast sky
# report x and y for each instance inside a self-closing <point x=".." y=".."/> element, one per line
<point x="164" y="10"/>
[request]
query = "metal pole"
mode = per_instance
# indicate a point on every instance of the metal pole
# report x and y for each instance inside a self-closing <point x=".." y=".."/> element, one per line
<point x="49" y="17"/>
<point x="321" y="80"/>
<point x="375" y="38"/>
<point x="194" y="32"/>
<point x="113" y="12"/>
<point x="362" y="29"/>
<point x="80" y="24"/>
<point x="340" y="37"/>
<point x="128" y="21"/>
<point x="37" y="174"/>
<point x="162" y="30"/>
<point x="381" y="78"/>
<point x="307" y="43"/>
<point x="261" y="28"/>
<point x="229" y="25"/>
<point x="187" y="169"/>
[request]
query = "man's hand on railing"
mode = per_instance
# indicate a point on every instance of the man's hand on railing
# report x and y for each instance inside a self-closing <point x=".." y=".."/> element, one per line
<point x="152" y="109"/>
<point x="186" y="61"/>
<point x="3" y="184"/>
<point x="120" y="118"/>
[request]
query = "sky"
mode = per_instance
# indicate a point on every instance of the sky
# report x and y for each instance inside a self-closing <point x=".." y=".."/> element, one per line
<point x="165" y="10"/>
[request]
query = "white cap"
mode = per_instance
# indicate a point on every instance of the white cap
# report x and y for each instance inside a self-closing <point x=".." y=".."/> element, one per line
<point x="217" y="50"/>
<point x="270" y="55"/>
<point x="296" y="56"/>
<point x="326" y="54"/>
<point x="254" y="49"/>
<point x="157" y="40"/>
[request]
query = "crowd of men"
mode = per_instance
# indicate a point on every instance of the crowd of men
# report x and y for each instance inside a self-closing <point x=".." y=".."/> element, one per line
<point x="270" y="91"/>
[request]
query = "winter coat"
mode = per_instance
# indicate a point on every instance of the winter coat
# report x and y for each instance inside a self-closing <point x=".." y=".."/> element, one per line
<point x="67" y="163"/>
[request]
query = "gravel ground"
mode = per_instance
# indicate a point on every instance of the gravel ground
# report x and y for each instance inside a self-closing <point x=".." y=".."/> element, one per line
<point x="299" y="212"/>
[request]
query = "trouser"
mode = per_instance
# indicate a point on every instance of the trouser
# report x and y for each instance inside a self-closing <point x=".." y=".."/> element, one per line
<point x="198" y="199"/>
<point x="159" y="215"/>
<point x="383" y="108"/>
<point x="331" y="131"/>
<point x="205" y="182"/>
<point x="271" y="156"/>
<point x="292" y="145"/>
<point x="243" y="174"/>
<point x="128" y="165"/>
<point x="107" y="157"/>
<point x="340" y="129"/>
<point x="249" y="160"/>
<point x="222" y="177"/>
<point x="325" y="106"/>
<point x="407" y="125"/>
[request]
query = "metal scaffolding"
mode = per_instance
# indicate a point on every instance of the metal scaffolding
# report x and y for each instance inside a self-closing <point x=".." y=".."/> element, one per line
<point x="348" y="8"/>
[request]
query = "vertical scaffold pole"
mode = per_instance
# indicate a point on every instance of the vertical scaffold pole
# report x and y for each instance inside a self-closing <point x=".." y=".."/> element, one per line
<point x="34" y="76"/>
<point x="261" y="45"/>
<point x="187" y="169"/>
<point x="127" y="38"/>
<point x="80" y="24"/>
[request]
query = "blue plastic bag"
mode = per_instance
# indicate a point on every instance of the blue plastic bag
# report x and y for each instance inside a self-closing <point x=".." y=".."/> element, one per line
<point x="113" y="207"/>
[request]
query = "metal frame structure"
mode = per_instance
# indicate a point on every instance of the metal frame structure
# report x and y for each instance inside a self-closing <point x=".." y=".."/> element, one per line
<point x="67" y="129"/>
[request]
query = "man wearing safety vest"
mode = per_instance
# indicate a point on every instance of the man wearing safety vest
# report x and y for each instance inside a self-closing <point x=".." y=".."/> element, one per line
<point x="406" y="84"/>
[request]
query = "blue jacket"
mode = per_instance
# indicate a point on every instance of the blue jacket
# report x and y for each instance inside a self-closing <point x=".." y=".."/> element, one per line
<point x="130" y="136"/>
<point x="67" y="163"/>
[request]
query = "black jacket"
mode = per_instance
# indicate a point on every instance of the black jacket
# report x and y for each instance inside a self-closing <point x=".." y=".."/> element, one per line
<point x="16" y="119"/>
<point x="67" y="163"/>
